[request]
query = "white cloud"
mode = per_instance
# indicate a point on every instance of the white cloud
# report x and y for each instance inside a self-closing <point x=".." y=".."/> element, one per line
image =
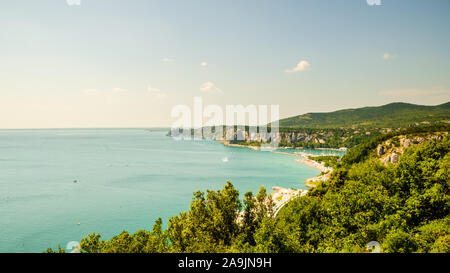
<point x="388" y="56"/>
<point x="210" y="88"/>
<point x="168" y="60"/>
<point x="119" y="90"/>
<point x="204" y="64"/>
<point x="156" y="92"/>
<point x="153" y="90"/>
<point x="301" y="66"/>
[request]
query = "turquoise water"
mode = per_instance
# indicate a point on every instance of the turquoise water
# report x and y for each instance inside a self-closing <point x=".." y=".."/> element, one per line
<point x="126" y="179"/>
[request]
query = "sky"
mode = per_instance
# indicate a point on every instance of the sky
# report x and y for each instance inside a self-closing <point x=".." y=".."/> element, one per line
<point x="112" y="63"/>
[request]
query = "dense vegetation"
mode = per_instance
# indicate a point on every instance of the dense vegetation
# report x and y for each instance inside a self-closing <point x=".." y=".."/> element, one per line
<point x="362" y="151"/>
<point x="404" y="206"/>
<point x="328" y="160"/>
<point x="393" y="115"/>
<point x="332" y="137"/>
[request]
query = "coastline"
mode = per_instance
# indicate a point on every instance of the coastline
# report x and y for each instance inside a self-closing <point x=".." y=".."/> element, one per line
<point x="302" y="158"/>
<point x="257" y="148"/>
<point x="308" y="162"/>
<point x="228" y="144"/>
<point x="282" y="196"/>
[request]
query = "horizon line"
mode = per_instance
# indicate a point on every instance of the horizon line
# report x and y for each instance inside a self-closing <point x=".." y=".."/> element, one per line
<point x="84" y="128"/>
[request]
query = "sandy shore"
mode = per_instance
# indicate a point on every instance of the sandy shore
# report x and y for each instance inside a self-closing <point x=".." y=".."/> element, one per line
<point x="302" y="158"/>
<point x="325" y="175"/>
<point x="312" y="182"/>
<point x="314" y="164"/>
<point x="308" y="162"/>
<point x="282" y="196"/>
<point x="226" y="143"/>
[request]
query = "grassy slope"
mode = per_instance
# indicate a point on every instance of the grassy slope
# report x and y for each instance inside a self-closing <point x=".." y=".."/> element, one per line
<point x="391" y="115"/>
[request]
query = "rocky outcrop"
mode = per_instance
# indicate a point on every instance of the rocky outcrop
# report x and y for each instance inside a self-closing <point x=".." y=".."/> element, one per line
<point x="283" y="137"/>
<point x="406" y="142"/>
<point x="391" y="150"/>
<point x="391" y="158"/>
<point x="381" y="150"/>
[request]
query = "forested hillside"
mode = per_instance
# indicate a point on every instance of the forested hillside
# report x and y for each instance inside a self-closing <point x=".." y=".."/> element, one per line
<point x="391" y="115"/>
<point x="404" y="206"/>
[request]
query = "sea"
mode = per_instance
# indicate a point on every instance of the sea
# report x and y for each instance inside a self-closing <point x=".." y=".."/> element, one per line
<point x="58" y="185"/>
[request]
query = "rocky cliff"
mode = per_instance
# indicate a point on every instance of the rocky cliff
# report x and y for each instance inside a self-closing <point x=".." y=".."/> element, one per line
<point x="291" y="137"/>
<point x="390" y="150"/>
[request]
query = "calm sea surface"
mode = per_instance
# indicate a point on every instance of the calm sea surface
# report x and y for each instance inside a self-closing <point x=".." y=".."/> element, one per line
<point x="125" y="180"/>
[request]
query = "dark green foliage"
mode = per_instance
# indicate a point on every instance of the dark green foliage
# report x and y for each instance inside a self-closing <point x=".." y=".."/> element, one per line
<point x="329" y="160"/>
<point x="404" y="207"/>
<point x="209" y="225"/>
<point x="142" y="241"/>
<point x="59" y="250"/>
<point x="362" y="151"/>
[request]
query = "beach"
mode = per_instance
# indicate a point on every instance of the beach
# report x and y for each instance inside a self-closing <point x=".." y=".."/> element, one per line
<point x="325" y="175"/>
<point x="228" y="144"/>
<point x="303" y="158"/>
<point x="282" y="196"/>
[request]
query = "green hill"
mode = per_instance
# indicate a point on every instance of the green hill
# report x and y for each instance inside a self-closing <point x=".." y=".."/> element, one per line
<point x="391" y="115"/>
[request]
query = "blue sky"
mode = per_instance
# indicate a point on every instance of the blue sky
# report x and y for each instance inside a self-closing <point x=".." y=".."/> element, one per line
<point x="111" y="63"/>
